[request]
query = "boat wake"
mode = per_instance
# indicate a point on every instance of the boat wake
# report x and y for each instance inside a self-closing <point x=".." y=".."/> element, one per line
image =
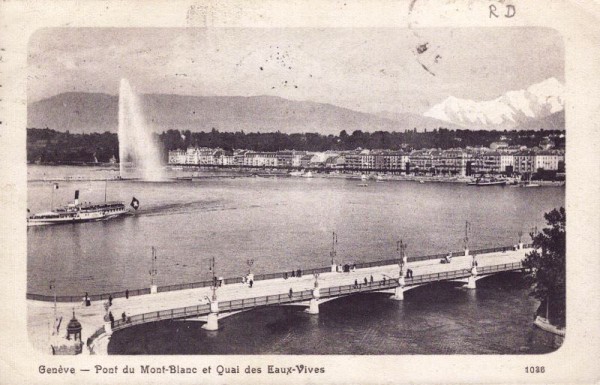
<point x="181" y="208"/>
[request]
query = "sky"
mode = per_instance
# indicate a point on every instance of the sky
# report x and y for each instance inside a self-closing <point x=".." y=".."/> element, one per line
<point x="364" y="69"/>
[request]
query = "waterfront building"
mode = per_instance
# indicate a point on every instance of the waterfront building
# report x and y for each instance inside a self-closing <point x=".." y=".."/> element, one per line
<point x="238" y="157"/>
<point x="524" y="162"/>
<point x="191" y="155"/>
<point x="177" y="157"/>
<point x="297" y="158"/>
<point x="305" y="161"/>
<point x="285" y="158"/>
<point x="548" y="160"/>
<point x="352" y="161"/>
<point x="487" y="163"/>
<point x="453" y="161"/>
<point x="335" y="162"/>
<point x="225" y="158"/>
<point x="421" y="160"/>
<point x="260" y="159"/>
<point x="207" y="156"/>
<point x="507" y="163"/>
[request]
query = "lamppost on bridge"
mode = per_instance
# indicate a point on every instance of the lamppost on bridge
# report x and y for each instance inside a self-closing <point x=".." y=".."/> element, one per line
<point x="153" y="272"/>
<point x="401" y="249"/>
<point x="534" y="231"/>
<point x="520" y="246"/>
<point x="53" y="288"/>
<point x="466" y="240"/>
<point x="333" y="253"/>
<point x="211" y="269"/>
<point x="212" y="320"/>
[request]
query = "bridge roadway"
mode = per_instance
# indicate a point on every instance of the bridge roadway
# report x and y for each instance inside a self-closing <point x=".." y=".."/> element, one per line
<point x="40" y="313"/>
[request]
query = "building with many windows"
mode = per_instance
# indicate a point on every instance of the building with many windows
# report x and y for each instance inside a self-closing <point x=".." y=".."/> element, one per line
<point x="260" y="159"/>
<point x="548" y="160"/>
<point x="177" y="157"/>
<point x="524" y="162"/>
<point x="453" y="162"/>
<point x="469" y="161"/>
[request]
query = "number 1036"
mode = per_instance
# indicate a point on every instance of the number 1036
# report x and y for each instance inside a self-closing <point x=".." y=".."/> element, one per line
<point x="535" y="369"/>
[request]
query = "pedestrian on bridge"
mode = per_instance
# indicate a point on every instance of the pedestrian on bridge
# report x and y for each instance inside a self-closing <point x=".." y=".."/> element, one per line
<point x="293" y="273"/>
<point x="356" y="283"/>
<point x="123" y="317"/>
<point x="366" y="282"/>
<point x="291" y="293"/>
<point x="251" y="283"/>
<point x="127" y="294"/>
<point x="371" y="280"/>
<point x="110" y="300"/>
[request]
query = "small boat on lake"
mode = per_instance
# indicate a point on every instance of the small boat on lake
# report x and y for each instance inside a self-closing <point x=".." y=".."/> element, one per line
<point x="487" y="182"/>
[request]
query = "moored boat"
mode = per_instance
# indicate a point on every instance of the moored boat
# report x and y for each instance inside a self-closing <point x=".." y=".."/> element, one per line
<point x="487" y="182"/>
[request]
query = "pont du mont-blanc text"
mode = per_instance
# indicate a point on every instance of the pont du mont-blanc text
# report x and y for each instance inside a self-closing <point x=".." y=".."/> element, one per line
<point x="220" y="370"/>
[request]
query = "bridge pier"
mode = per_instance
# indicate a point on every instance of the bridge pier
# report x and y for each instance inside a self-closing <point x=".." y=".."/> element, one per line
<point x="212" y="320"/>
<point x="107" y="328"/>
<point x="153" y="289"/>
<point x="313" y="306"/>
<point x="472" y="279"/>
<point x="399" y="290"/>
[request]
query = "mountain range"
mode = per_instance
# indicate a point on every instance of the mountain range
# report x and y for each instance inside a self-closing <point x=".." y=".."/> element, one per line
<point x="541" y="103"/>
<point x="92" y="112"/>
<point x="539" y="106"/>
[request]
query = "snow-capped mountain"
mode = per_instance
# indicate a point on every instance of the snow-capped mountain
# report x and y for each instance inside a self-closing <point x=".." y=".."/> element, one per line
<point x="514" y="108"/>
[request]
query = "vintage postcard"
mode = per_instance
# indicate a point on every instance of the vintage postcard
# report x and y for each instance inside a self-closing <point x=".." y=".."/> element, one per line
<point x="304" y="192"/>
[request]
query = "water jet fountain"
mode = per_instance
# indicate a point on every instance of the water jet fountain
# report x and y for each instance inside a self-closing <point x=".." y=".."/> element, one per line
<point x="138" y="153"/>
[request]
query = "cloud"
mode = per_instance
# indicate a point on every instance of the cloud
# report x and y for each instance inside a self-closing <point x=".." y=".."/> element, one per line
<point x="366" y="69"/>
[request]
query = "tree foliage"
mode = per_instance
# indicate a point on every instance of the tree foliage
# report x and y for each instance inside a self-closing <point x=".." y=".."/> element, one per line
<point x="548" y="265"/>
<point x="48" y="145"/>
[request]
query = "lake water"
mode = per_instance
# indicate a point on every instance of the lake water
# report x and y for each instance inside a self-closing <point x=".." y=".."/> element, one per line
<point x="286" y="223"/>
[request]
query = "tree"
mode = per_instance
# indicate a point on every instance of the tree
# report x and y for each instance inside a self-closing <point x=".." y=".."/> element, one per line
<point x="547" y="263"/>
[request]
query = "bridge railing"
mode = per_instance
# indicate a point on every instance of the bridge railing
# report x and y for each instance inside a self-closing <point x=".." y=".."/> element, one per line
<point x="304" y="295"/>
<point x="162" y="315"/>
<point x="257" y="277"/>
<point x="204" y="309"/>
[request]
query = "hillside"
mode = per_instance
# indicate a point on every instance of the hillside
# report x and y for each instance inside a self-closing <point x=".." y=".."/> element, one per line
<point x="89" y="112"/>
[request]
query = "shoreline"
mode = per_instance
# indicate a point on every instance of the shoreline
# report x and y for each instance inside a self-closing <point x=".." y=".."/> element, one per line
<point x="195" y="173"/>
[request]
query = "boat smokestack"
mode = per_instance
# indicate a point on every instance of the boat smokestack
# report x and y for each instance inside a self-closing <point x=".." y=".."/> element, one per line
<point x="76" y="197"/>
